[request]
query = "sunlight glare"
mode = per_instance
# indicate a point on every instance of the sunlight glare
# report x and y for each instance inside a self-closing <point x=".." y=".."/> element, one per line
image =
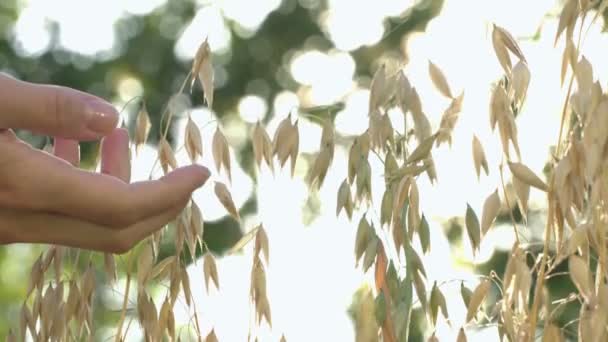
<point x="208" y="22"/>
<point x="252" y="108"/>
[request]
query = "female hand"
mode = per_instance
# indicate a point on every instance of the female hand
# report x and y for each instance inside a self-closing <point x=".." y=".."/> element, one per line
<point x="44" y="198"/>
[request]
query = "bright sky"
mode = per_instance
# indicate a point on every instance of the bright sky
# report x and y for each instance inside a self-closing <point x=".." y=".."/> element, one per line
<point x="312" y="277"/>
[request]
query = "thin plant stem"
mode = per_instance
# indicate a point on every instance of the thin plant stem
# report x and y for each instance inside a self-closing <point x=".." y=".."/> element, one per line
<point x="543" y="266"/>
<point x="125" y="300"/>
<point x="504" y="190"/>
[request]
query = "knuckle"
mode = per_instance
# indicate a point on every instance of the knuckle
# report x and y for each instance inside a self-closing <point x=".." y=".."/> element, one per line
<point x="59" y="109"/>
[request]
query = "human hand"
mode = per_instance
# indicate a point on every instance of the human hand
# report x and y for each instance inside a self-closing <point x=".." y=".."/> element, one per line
<point x="44" y="198"/>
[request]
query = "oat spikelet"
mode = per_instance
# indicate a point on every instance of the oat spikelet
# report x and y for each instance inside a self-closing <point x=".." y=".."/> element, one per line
<point x="197" y="223"/>
<point x="364" y="235"/>
<point x="163" y="268"/>
<point x="465" y="294"/>
<point x="524" y="174"/>
<point x="520" y="82"/>
<point x="567" y="19"/>
<point x="286" y="142"/>
<point x="262" y="146"/>
<point x="364" y="182"/>
<point x="568" y="59"/>
<point x="36" y="276"/>
<point x="244" y="240"/>
<point x="320" y="167"/>
<point x="422" y="151"/>
<point x="437" y="301"/>
<point x="185" y="280"/>
<point x="210" y="271"/>
<point x="261" y="243"/>
<point x="414" y="261"/>
<point x="202" y="68"/>
<point x="472" y="225"/>
<point x="448" y="120"/>
<point x="211" y="336"/>
<point x="359" y="151"/>
<point x="424" y="234"/>
<point x="166" y="156"/>
<point x="501" y="51"/>
<point x="479" y="294"/>
<point x="522" y="190"/>
<point x="439" y="80"/>
<point x="462" y="337"/>
<point x="325" y="156"/>
<point x="194" y="143"/>
<point x="491" y="206"/>
<point x="381" y="89"/>
<point x="401" y="196"/>
<point x="371" y="251"/>
<point x="222" y="193"/>
<point x="581" y="276"/>
<point x="221" y="153"/>
<point x="479" y="157"/>
<point x="509" y="42"/>
<point x="142" y="128"/>
<point x="345" y="200"/>
<point x="293" y="152"/>
<point x="420" y="289"/>
<point x="386" y="208"/>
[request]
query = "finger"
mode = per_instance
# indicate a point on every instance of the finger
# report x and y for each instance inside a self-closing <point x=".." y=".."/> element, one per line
<point x="115" y="159"/>
<point x="68" y="150"/>
<point x="125" y="239"/>
<point x="24" y="226"/>
<point x="38" y="181"/>
<point x="54" y="110"/>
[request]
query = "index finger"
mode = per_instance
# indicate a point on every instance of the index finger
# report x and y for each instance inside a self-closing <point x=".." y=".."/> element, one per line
<point x="54" y="110"/>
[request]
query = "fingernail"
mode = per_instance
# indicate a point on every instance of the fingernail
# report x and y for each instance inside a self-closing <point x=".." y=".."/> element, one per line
<point x="102" y="116"/>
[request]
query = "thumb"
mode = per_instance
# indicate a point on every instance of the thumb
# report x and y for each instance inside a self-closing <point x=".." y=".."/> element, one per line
<point x="54" y="110"/>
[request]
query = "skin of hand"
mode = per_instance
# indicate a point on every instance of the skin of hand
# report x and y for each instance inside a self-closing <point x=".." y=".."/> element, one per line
<point x="46" y="198"/>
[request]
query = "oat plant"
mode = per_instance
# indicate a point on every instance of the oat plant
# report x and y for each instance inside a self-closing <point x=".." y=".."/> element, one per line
<point x="60" y="308"/>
